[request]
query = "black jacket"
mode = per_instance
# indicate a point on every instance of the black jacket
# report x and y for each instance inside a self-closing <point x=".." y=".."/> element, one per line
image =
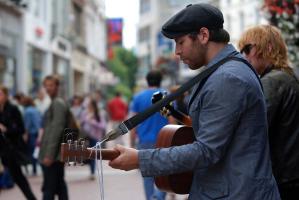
<point x="282" y="98"/>
<point x="12" y="144"/>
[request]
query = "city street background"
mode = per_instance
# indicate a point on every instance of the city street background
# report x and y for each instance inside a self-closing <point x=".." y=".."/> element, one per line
<point x="118" y="185"/>
<point x="85" y="43"/>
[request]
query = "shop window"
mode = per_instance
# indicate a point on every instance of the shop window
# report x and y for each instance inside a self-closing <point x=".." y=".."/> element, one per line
<point x="7" y="73"/>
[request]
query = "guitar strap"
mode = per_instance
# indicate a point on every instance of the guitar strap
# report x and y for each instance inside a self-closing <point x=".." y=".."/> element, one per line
<point x="132" y="122"/>
<point x="216" y="66"/>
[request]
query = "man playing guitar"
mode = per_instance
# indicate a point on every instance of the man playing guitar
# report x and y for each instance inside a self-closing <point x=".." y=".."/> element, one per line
<point x="230" y="155"/>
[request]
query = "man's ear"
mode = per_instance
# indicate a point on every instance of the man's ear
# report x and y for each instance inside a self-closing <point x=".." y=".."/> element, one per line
<point x="204" y="35"/>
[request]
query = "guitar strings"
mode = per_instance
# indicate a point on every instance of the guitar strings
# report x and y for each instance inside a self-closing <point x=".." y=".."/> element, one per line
<point x="99" y="167"/>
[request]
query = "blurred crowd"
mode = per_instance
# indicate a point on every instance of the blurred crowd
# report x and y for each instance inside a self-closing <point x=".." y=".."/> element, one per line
<point x="25" y="124"/>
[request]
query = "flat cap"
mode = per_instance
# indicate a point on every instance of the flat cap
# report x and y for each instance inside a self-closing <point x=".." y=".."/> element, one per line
<point x="191" y="19"/>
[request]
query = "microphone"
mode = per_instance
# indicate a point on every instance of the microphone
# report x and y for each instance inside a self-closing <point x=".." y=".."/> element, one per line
<point x="115" y="133"/>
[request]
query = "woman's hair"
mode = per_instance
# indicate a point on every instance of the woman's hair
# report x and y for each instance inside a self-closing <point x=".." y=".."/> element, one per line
<point x="94" y="106"/>
<point x="269" y="45"/>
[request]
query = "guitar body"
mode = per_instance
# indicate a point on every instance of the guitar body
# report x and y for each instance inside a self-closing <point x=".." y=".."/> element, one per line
<point x="175" y="135"/>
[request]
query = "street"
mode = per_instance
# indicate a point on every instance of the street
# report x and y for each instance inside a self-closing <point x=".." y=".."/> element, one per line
<point x="117" y="184"/>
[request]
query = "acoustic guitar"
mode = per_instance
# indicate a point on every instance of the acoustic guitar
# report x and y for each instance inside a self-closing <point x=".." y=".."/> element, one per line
<point x="174" y="135"/>
<point x="169" y="135"/>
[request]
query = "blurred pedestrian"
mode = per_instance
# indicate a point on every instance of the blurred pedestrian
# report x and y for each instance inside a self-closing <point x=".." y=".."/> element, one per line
<point x="43" y="101"/>
<point x="93" y="125"/>
<point x="17" y="100"/>
<point x="55" y="121"/>
<point x="32" y="119"/>
<point x="230" y="156"/>
<point x="117" y="110"/>
<point x="100" y="99"/>
<point x="266" y="50"/>
<point x="77" y="107"/>
<point x="146" y="133"/>
<point x="13" y="149"/>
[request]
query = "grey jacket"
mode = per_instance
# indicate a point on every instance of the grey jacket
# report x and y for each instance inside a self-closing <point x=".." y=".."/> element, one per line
<point x="55" y="120"/>
<point x="230" y="157"/>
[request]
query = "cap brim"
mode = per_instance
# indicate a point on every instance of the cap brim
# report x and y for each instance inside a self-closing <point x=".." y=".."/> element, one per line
<point x="173" y="35"/>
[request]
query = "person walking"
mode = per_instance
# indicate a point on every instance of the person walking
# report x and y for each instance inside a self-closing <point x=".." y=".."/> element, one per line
<point x="55" y="121"/>
<point x="32" y="119"/>
<point x="265" y="49"/>
<point x="13" y="151"/>
<point x="147" y="132"/>
<point x="230" y="156"/>
<point x="93" y="125"/>
<point x="77" y="107"/>
<point x="117" y="110"/>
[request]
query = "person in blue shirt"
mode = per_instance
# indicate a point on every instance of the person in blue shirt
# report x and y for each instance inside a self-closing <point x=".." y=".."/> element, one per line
<point x="32" y="120"/>
<point x="230" y="156"/>
<point x="147" y="132"/>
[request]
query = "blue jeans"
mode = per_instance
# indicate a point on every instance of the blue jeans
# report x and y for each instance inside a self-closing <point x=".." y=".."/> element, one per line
<point x="92" y="162"/>
<point x="151" y="191"/>
<point x="31" y="145"/>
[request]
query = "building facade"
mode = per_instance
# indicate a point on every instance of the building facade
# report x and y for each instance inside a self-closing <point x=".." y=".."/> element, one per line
<point x="239" y="15"/>
<point x="11" y="45"/>
<point x="153" y="47"/>
<point x="42" y="37"/>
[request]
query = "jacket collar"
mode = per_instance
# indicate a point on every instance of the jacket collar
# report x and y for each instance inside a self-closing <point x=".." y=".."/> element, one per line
<point x="228" y="50"/>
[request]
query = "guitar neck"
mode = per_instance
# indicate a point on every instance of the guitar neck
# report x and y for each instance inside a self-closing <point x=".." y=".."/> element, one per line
<point x="107" y="154"/>
<point x="77" y="153"/>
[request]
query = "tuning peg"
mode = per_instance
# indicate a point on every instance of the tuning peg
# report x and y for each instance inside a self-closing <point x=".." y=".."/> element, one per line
<point x="69" y="142"/>
<point x="164" y="112"/>
<point x="76" y="148"/>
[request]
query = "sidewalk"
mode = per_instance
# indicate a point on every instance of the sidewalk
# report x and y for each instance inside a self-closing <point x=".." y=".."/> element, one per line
<point x="117" y="185"/>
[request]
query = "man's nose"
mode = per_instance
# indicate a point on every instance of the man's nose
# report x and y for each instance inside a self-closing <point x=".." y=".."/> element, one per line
<point x="177" y="51"/>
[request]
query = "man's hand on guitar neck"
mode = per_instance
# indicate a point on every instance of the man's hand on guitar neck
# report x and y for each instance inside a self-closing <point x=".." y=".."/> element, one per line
<point x="127" y="160"/>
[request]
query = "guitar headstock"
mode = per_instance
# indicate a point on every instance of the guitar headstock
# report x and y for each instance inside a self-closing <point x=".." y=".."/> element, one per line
<point x="164" y="111"/>
<point x="74" y="152"/>
<point x="77" y="151"/>
<point x="168" y="109"/>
